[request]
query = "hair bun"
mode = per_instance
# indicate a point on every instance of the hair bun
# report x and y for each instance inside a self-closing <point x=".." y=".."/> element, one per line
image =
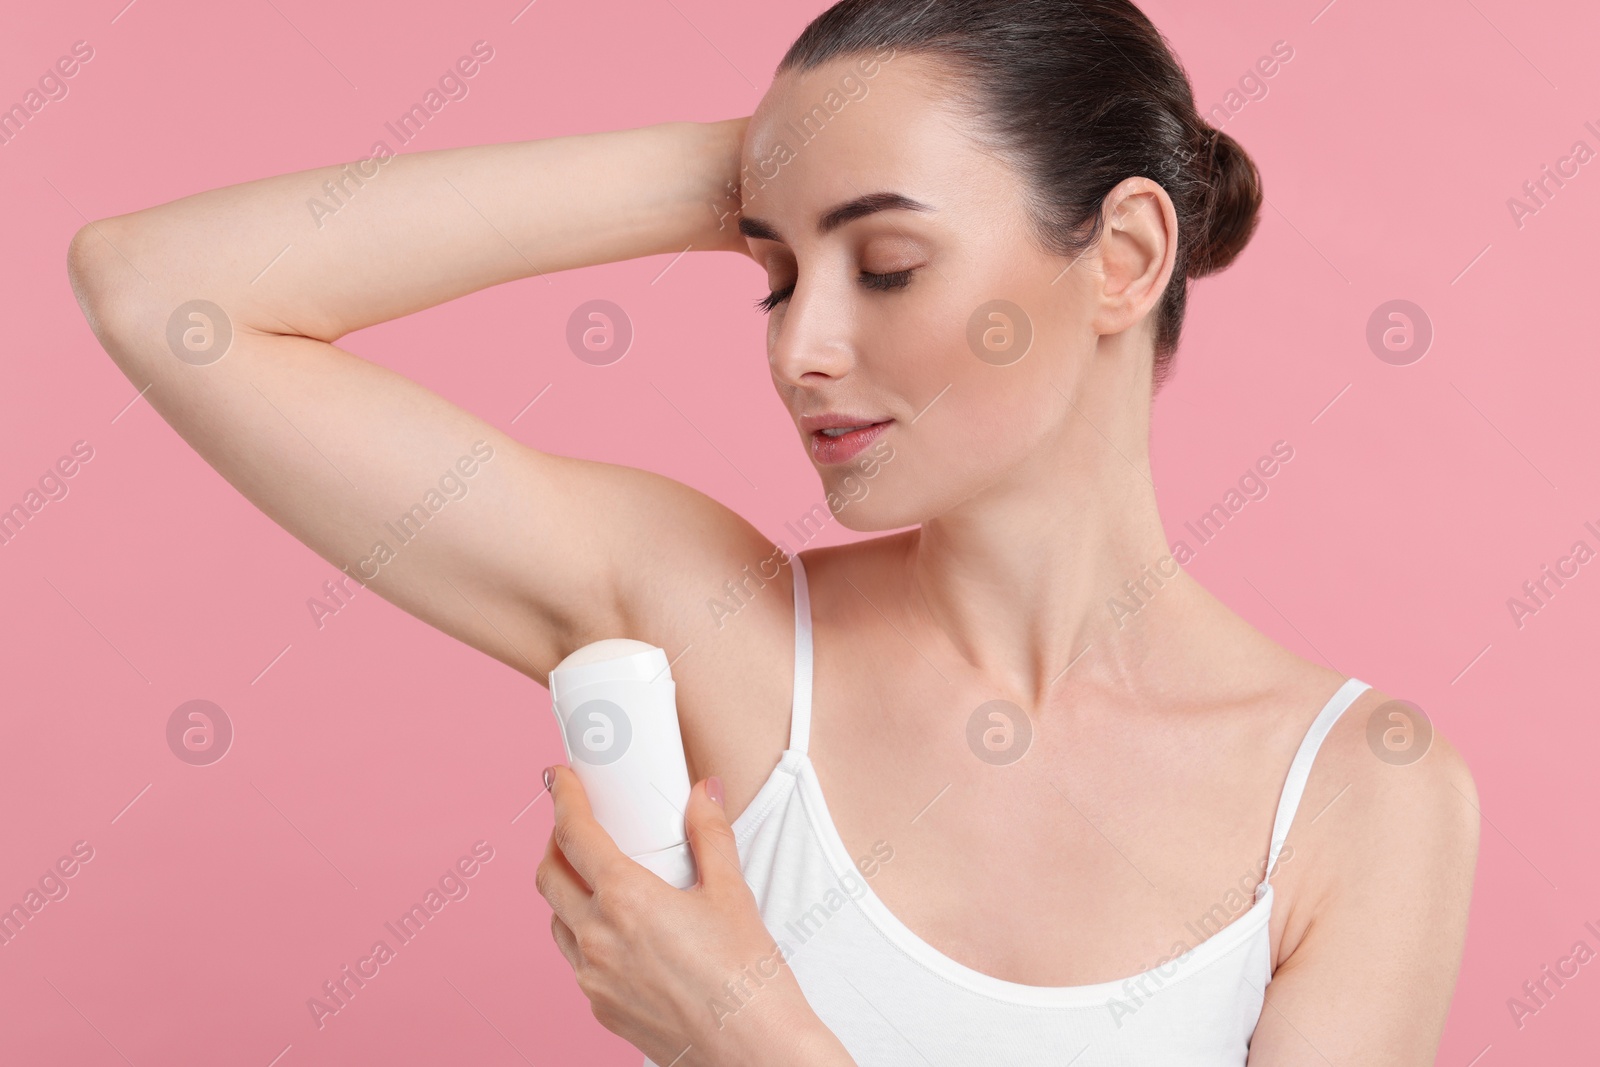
<point x="1233" y="203"/>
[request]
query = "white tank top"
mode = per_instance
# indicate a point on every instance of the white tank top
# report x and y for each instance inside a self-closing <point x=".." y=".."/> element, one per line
<point x="893" y="999"/>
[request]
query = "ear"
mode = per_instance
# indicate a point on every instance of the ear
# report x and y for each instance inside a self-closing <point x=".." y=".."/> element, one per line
<point x="1137" y="252"/>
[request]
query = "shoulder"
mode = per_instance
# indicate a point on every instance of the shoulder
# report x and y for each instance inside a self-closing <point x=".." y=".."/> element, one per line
<point x="1372" y="892"/>
<point x="842" y="577"/>
<point x="1391" y="756"/>
<point x="1379" y="888"/>
<point x="1390" y="811"/>
<point x="1387" y="796"/>
<point x="724" y="611"/>
<point x="1384" y="753"/>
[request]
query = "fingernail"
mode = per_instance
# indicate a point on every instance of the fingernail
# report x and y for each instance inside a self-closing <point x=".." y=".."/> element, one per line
<point x="549" y="778"/>
<point x="714" y="789"/>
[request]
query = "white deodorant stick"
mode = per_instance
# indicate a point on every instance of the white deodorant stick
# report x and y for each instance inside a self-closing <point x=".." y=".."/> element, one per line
<point x="615" y="702"/>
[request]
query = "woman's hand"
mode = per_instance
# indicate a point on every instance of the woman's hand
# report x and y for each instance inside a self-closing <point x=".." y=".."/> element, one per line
<point x="690" y="977"/>
<point x="723" y="147"/>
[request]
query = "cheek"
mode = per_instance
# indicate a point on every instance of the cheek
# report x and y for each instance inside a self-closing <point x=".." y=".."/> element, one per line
<point x="974" y="415"/>
<point x="1001" y="416"/>
<point x="994" y="405"/>
<point x="988" y="422"/>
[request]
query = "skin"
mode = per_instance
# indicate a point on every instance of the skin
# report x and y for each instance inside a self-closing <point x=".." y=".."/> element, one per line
<point x="1029" y="495"/>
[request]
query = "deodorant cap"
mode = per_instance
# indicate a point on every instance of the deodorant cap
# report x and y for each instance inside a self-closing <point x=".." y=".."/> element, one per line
<point x="613" y="657"/>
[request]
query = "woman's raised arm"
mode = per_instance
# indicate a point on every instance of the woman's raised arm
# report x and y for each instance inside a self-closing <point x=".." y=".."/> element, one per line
<point x="222" y="307"/>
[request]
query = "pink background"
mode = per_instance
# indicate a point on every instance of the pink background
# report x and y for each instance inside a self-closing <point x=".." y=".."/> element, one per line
<point x="375" y="751"/>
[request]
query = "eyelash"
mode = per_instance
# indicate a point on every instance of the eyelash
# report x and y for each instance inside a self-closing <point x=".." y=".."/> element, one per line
<point x="882" y="282"/>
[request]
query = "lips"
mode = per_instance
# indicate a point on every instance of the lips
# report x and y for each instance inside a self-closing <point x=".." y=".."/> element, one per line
<point x="835" y="439"/>
<point x="840" y="431"/>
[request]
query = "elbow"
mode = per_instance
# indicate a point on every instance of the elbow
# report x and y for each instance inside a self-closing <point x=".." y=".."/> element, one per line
<point x="90" y="275"/>
<point x="113" y="294"/>
<point x="78" y="253"/>
<point x="131" y="279"/>
<point x="83" y="260"/>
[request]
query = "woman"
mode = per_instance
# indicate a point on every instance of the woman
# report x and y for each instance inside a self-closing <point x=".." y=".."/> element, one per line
<point x="1005" y="820"/>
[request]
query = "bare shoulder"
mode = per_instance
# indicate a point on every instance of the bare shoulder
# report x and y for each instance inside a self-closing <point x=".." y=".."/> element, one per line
<point x="864" y="564"/>
<point x="1375" y="887"/>
<point x="736" y="629"/>
<point x="1389" y="781"/>
<point x="1387" y="792"/>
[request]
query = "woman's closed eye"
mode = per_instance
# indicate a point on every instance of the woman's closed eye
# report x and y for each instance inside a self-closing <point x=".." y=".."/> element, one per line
<point x="896" y="280"/>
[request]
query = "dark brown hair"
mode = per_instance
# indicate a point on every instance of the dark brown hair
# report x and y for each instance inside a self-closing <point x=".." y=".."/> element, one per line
<point x="1078" y="95"/>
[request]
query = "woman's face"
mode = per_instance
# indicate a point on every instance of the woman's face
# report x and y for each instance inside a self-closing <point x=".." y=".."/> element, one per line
<point x="935" y="316"/>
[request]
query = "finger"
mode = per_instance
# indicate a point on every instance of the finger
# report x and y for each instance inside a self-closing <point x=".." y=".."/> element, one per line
<point x="716" y="854"/>
<point x="566" y="941"/>
<point x="579" y="837"/>
<point x="559" y="884"/>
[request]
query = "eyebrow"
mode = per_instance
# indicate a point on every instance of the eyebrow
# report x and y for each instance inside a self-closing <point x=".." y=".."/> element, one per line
<point x="837" y="216"/>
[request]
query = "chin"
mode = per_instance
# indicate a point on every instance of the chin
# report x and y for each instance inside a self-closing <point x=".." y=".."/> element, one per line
<point x="882" y="489"/>
<point x="859" y="517"/>
<point x="873" y="511"/>
<point x="857" y="492"/>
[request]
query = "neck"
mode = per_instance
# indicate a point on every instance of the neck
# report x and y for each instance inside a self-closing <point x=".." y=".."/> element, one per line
<point x="1058" y="574"/>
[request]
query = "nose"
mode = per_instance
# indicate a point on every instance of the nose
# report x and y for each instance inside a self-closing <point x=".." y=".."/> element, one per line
<point x="810" y="336"/>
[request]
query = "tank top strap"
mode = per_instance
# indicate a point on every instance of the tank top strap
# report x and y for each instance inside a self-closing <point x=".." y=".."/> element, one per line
<point x="1300" y="769"/>
<point x="800" y="713"/>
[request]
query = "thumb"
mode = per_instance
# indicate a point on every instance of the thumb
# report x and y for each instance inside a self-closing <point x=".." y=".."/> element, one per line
<point x="716" y="856"/>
